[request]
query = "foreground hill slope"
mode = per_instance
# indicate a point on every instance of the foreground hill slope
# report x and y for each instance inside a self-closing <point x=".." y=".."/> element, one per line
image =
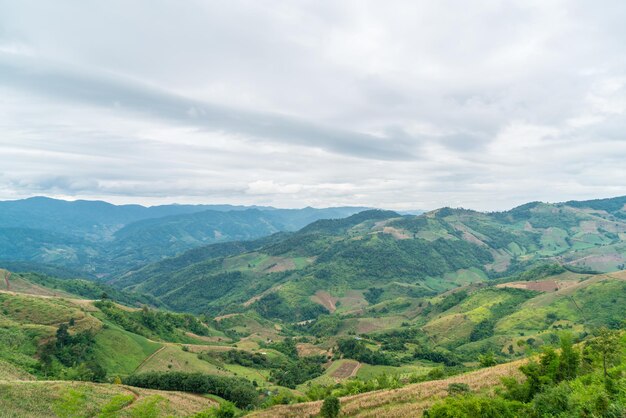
<point x="408" y="401"/>
<point x="83" y="399"/>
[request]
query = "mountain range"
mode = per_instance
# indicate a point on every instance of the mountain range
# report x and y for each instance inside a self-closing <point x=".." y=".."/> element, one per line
<point x="377" y="255"/>
<point x="98" y="239"/>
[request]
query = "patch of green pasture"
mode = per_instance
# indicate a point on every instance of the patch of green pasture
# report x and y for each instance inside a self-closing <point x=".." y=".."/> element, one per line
<point x="120" y="352"/>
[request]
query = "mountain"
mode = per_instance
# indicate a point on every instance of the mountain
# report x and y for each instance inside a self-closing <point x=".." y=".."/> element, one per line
<point x="100" y="239"/>
<point x="373" y="256"/>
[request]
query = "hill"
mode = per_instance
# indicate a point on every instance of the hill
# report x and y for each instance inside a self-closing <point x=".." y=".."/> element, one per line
<point x="48" y="333"/>
<point x="376" y="256"/>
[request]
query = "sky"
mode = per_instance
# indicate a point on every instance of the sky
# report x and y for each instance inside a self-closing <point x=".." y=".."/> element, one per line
<point x="392" y="104"/>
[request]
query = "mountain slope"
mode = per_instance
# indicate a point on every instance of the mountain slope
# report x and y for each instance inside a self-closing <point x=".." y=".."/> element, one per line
<point x="383" y="255"/>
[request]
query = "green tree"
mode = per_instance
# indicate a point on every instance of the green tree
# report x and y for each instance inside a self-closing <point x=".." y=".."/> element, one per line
<point x="569" y="359"/>
<point x="606" y="345"/>
<point x="487" y="359"/>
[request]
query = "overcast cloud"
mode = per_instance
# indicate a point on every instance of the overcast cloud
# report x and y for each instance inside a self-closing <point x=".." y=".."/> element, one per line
<point x="395" y="104"/>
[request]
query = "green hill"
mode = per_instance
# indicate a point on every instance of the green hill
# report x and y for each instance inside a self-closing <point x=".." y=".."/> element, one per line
<point x="382" y="255"/>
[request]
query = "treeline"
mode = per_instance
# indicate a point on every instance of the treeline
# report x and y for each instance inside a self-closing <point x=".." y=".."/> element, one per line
<point x="152" y="323"/>
<point x="235" y="389"/>
<point x="357" y="350"/>
<point x="275" y="306"/>
<point x="89" y="289"/>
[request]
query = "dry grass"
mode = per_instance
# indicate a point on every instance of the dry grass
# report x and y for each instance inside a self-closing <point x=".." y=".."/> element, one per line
<point x="409" y="401"/>
<point x="11" y="372"/>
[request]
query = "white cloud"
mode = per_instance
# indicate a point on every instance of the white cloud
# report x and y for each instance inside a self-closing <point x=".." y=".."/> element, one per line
<point x="400" y="104"/>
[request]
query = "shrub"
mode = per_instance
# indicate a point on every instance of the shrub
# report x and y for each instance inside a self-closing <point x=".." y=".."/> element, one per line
<point x="474" y="406"/>
<point x="458" y="388"/>
<point x="330" y="407"/>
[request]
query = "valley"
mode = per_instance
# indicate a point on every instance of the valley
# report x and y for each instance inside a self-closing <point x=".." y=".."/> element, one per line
<point x="383" y="311"/>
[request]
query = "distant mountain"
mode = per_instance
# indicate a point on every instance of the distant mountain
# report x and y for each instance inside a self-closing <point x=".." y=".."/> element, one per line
<point x="91" y="219"/>
<point x="376" y="255"/>
<point x="99" y="238"/>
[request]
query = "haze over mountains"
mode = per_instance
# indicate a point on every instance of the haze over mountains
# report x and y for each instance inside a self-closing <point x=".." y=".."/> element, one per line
<point x="99" y="238"/>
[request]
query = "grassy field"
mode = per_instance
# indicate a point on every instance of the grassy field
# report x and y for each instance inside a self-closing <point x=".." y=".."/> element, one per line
<point x="121" y="352"/>
<point x="173" y="358"/>
<point x="10" y="372"/>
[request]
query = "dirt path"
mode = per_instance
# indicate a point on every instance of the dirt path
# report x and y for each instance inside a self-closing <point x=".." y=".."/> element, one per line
<point x="144" y="361"/>
<point x="325" y="299"/>
<point x="7" y="275"/>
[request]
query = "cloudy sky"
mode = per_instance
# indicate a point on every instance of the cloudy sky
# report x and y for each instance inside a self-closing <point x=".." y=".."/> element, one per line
<point x="395" y="104"/>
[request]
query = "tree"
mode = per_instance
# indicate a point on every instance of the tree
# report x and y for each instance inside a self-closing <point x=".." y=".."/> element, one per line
<point x="569" y="359"/>
<point x="330" y="407"/>
<point x="226" y="410"/>
<point x="487" y="360"/>
<point x="606" y="345"/>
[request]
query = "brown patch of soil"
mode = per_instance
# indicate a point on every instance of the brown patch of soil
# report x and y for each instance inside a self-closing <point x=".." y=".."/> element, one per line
<point x="325" y="299"/>
<point x="306" y="349"/>
<point x="281" y="265"/>
<point x="347" y="369"/>
<point x="396" y="233"/>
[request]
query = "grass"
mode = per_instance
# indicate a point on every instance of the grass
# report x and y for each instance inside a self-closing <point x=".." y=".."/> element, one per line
<point x="259" y="375"/>
<point x="368" y="371"/>
<point x="37" y="310"/>
<point x="120" y="352"/>
<point x="173" y="358"/>
<point x="372" y="324"/>
<point x="10" y="372"/>
<point x="466" y="276"/>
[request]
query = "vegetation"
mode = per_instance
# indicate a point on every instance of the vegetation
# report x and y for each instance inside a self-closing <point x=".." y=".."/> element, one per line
<point x="330" y="407"/>
<point x="569" y="383"/>
<point x="71" y="357"/>
<point x="152" y="323"/>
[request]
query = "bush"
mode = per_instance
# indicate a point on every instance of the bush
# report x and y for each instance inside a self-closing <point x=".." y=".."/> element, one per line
<point x="474" y="406"/>
<point x="330" y="407"/>
<point x="458" y="388"/>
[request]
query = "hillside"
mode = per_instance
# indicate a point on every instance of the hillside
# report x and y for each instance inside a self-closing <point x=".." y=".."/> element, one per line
<point x="375" y="256"/>
<point x="505" y="390"/>
<point x="340" y="354"/>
